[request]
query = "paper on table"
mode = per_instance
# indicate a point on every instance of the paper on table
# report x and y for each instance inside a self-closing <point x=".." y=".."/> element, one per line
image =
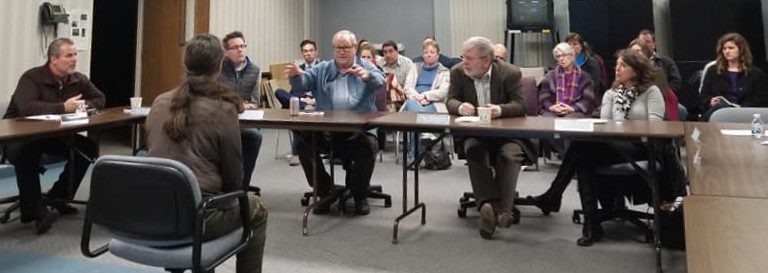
<point x="142" y="111"/>
<point x="594" y="120"/>
<point x="75" y="122"/>
<point x="468" y="119"/>
<point x="44" y="117"/>
<point x="731" y="132"/>
<point x="433" y="119"/>
<point x="252" y="115"/>
<point x="574" y="125"/>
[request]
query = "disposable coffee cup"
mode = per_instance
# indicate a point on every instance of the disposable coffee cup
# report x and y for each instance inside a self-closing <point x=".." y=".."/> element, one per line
<point x="135" y="103"/>
<point x="485" y="114"/>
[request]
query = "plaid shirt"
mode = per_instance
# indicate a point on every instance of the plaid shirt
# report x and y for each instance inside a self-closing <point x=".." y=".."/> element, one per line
<point x="400" y="69"/>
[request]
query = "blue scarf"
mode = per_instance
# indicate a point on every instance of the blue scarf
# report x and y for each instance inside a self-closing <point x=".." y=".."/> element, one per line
<point x="581" y="59"/>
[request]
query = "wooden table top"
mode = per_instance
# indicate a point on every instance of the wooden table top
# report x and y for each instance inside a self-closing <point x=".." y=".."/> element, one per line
<point x="20" y="128"/>
<point x="533" y="127"/>
<point x="734" y="166"/>
<point x="726" y="234"/>
<point x="335" y="121"/>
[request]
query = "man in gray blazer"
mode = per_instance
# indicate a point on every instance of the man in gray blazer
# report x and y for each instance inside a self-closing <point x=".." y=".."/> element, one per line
<point x="481" y="81"/>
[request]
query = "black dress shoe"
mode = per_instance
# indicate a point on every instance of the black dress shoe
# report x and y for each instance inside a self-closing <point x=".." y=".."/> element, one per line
<point x="45" y="219"/>
<point x="362" y="207"/>
<point x="545" y="203"/>
<point x="64" y="208"/>
<point x="590" y="238"/>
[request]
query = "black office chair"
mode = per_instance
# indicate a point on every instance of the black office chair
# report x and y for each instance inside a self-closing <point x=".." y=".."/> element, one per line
<point x="341" y="193"/>
<point x="620" y="182"/>
<point x="153" y="211"/>
<point x="616" y="184"/>
<point x="14" y="200"/>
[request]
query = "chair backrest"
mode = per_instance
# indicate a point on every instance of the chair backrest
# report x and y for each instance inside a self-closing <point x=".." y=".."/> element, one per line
<point x="274" y="85"/>
<point x="381" y="98"/>
<point x="531" y="94"/>
<point x="144" y="198"/>
<point x="536" y="72"/>
<point x="738" y="114"/>
<point x="278" y="71"/>
<point x="708" y="66"/>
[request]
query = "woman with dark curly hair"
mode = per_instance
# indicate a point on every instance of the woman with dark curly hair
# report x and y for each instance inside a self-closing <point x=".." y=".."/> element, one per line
<point x="633" y="96"/>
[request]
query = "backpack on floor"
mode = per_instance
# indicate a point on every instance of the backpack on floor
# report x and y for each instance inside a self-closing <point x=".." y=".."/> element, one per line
<point x="437" y="158"/>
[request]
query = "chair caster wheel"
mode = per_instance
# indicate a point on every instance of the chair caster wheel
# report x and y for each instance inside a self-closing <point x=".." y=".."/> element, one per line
<point x="462" y="213"/>
<point x="649" y="236"/>
<point x="388" y="203"/>
<point x="545" y="212"/>
<point x="462" y="199"/>
<point x="515" y="216"/>
<point x="576" y="219"/>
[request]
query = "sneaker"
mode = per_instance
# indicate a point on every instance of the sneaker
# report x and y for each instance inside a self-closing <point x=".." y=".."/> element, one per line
<point x="487" y="221"/>
<point x="362" y="207"/>
<point x="293" y="160"/>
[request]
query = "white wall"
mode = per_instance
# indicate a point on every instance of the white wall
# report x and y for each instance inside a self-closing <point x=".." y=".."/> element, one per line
<point x="469" y="18"/>
<point x="23" y="47"/>
<point x="272" y="28"/>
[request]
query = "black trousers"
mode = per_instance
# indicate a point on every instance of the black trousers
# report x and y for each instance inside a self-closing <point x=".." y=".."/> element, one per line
<point x="356" y="151"/>
<point x="592" y="155"/>
<point x="26" y="158"/>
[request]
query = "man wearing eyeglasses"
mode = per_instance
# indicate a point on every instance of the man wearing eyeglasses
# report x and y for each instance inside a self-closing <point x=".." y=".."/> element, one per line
<point x="346" y="83"/>
<point x="494" y="162"/>
<point x="244" y="77"/>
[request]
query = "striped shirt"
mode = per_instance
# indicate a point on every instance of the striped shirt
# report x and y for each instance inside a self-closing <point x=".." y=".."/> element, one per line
<point x="483" y="89"/>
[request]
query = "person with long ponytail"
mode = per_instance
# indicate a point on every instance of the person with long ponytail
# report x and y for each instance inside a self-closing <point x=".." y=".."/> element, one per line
<point x="197" y="124"/>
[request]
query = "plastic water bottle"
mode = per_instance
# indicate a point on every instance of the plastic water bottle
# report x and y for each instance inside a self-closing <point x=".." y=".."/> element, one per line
<point x="757" y="127"/>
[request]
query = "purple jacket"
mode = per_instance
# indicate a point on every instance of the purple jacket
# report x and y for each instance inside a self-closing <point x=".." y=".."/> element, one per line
<point x="584" y="103"/>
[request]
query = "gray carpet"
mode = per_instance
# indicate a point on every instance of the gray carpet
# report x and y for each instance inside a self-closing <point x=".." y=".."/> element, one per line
<point x="341" y="243"/>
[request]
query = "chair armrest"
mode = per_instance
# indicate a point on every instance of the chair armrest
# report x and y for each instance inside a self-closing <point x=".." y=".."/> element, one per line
<point x="217" y="202"/>
<point x="223" y="200"/>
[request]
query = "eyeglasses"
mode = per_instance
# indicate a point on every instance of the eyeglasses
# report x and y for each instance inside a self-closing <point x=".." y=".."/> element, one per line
<point x="471" y="58"/>
<point x="343" y="48"/>
<point x="558" y="56"/>
<point x="243" y="46"/>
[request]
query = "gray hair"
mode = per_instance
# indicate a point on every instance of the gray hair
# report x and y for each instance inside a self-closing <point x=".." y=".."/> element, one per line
<point x="345" y="35"/>
<point x="54" y="48"/>
<point x="564" y="48"/>
<point x="482" y="44"/>
<point x="499" y="47"/>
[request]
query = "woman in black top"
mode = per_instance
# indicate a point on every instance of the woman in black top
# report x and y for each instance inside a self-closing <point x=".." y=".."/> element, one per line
<point x="734" y="80"/>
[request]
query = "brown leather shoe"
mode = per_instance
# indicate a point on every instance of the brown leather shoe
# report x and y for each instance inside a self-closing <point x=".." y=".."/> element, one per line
<point x="487" y="221"/>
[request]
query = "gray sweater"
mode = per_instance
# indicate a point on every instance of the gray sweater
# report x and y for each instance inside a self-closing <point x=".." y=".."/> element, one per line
<point x="649" y="105"/>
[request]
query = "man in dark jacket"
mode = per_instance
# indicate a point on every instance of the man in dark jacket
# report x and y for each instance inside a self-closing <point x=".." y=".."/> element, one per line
<point x="481" y="81"/>
<point x="54" y="88"/>
<point x="244" y="77"/>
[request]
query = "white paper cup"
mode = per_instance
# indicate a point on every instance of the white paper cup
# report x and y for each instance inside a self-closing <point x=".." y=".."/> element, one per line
<point x="485" y="114"/>
<point x="135" y="103"/>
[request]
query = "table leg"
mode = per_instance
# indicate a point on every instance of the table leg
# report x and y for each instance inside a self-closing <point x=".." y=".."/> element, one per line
<point x="656" y="199"/>
<point x="416" y="205"/>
